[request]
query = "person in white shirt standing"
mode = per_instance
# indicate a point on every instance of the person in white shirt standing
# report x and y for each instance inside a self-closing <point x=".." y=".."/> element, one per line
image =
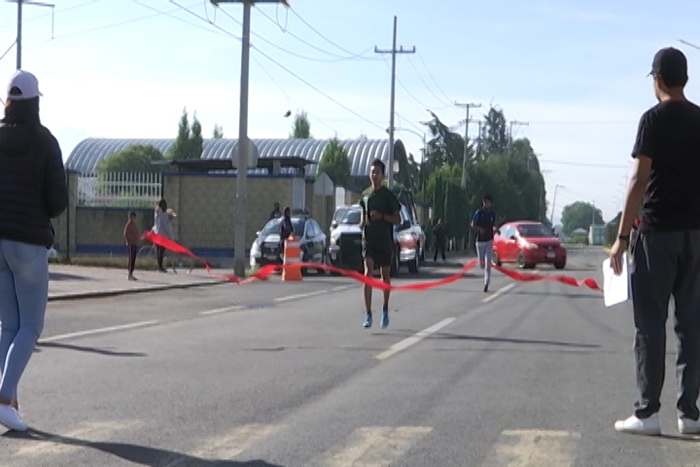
<point x="161" y="226"/>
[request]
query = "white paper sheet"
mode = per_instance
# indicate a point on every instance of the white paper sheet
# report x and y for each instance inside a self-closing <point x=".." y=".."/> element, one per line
<point x="616" y="288"/>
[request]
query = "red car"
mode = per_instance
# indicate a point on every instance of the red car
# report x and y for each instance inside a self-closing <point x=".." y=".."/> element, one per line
<point x="528" y="244"/>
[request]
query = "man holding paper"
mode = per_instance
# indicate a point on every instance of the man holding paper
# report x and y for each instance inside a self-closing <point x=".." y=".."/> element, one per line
<point x="666" y="251"/>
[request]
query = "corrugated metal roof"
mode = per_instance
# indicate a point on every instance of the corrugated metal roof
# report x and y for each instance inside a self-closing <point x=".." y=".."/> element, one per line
<point x="361" y="152"/>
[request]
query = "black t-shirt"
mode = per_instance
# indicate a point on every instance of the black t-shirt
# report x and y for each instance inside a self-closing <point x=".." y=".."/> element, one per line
<point x="379" y="233"/>
<point x="669" y="134"/>
<point x="486" y="219"/>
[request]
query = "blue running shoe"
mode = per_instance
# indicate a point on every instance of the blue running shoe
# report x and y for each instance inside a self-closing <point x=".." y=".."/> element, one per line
<point x="385" y="319"/>
<point x="368" y="321"/>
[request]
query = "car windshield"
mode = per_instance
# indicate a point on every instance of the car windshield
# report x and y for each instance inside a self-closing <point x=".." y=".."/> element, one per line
<point x="298" y="225"/>
<point x="352" y="217"/>
<point x="339" y="214"/>
<point x="534" y="230"/>
<point x="274" y="227"/>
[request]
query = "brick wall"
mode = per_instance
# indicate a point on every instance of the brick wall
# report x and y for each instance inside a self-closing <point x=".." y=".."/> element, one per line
<point x="206" y="207"/>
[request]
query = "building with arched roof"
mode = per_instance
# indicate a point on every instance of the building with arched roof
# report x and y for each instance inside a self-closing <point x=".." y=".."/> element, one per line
<point x="361" y="152"/>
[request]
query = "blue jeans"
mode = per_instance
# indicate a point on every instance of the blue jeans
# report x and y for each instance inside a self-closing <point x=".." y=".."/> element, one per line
<point x="24" y="292"/>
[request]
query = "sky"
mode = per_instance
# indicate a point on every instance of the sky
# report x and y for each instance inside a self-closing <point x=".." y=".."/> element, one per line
<point x="575" y="71"/>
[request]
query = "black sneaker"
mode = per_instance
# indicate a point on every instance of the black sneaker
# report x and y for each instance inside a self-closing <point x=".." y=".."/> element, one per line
<point x="486" y="288"/>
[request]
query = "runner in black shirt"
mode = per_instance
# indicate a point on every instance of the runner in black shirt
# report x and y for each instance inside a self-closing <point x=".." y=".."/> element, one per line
<point x="666" y="251"/>
<point x="484" y="222"/>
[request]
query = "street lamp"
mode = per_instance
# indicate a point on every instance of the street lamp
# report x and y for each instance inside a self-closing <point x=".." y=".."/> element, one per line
<point x="554" y="201"/>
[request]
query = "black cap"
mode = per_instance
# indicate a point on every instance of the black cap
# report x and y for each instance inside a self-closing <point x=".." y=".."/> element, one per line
<point x="671" y="66"/>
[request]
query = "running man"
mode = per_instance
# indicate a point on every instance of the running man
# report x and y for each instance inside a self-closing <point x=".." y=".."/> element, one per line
<point x="484" y="222"/>
<point x="380" y="213"/>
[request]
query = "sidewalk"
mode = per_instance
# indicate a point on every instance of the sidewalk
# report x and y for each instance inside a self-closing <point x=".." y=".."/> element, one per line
<point x="71" y="282"/>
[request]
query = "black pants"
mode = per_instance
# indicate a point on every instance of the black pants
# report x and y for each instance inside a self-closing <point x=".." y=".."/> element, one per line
<point x="160" y="255"/>
<point x="667" y="264"/>
<point x="131" y="251"/>
<point x="439" y="246"/>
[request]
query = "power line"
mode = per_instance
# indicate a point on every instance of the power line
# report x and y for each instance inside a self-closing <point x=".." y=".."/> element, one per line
<point x="33" y="18"/>
<point x="106" y="26"/>
<point x="420" y="57"/>
<point x="423" y="81"/>
<point x="405" y="88"/>
<point x="340" y="104"/>
<point x="272" y="44"/>
<point x="321" y="34"/>
<point x="272" y="78"/>
<point x="315" y="47"/>
<point x="171" y="15"/>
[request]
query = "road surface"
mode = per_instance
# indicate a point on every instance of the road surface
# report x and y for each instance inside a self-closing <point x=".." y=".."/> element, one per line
<point x="283" y="374"/>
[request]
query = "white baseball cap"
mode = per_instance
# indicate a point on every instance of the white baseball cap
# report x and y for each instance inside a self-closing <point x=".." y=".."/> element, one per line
<point x="23" y="85"/>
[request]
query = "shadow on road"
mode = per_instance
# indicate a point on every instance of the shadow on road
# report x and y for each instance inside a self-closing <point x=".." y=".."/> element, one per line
<point x="111" y="353"/>
<point x="60" y="276"/>
<point x="141" y="455"/>
<point x="592" y="295"/>
<point x="509" y="340"/>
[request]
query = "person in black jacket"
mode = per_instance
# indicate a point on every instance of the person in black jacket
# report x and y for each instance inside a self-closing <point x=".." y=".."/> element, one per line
<point x="33" y="190"/>
<point x="440" y="237"/>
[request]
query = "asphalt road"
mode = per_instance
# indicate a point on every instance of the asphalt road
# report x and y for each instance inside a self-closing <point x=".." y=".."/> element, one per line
<point x="283" y="374"/>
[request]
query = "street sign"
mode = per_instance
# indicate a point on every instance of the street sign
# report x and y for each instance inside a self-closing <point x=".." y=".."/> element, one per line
<point x="252" y="155"/>
<point x="324" y="186"/>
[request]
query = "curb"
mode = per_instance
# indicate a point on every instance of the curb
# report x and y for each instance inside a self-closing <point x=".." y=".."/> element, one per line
<point x="113" y="293"/>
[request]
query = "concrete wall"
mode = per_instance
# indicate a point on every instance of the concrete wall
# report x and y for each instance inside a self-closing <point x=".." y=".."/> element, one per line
<point x="206" y="208"/>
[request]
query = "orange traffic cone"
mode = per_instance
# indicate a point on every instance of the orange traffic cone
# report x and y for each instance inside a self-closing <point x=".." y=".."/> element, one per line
<point x="292" y="256"/>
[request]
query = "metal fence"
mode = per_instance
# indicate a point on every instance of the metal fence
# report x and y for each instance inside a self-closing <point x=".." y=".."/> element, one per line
<point x="119" y="189"/>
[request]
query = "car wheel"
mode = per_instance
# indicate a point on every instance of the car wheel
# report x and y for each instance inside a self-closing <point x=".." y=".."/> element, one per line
<point x="560" y="265"/>
<point x="495" y="259"/>
<point x="522" y="264"/>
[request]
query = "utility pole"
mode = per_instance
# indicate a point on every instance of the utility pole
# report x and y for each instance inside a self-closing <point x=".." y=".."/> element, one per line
<point x="471" y="105"/>
<point x="239" y="262"/>
<point x="393" y="53"/>
<point x="554" y="201"/>
<point x="543" y="172"/>
<point x="18" y="42"/>
<point x="510" y="142"/>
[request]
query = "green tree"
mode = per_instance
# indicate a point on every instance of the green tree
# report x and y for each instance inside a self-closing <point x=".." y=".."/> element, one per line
<point x="196" y="140"/>
<point x="301" y="129"/>
<point x="134" y="159"/>
<point x="580" y="215"/>
<point x="218" y="132"/>
<point x="335" y="163"/>
<point x="494" y="137"/>
<point x="189" y="143"/>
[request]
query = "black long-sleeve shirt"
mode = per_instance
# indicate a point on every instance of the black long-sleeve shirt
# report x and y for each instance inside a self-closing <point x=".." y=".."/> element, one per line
<point x="33" y="186"/>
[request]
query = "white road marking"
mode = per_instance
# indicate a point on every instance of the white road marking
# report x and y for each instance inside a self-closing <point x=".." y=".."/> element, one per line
<point x="375" y="446"/>
<point x="216" y="311"/>
<point x="533" y="448"/>
<point x="91" y="332"/>
<point x="340" y="288"/>
<point x="67" y="443"/>
<point x="414" y="339"/>
<point x="234" y="443"/>
<point x="301" y="295"/>
<point x="498" y="293"/>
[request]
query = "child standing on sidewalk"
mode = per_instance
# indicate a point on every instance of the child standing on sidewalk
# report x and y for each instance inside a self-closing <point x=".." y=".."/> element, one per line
<point x="131" y="235"/>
